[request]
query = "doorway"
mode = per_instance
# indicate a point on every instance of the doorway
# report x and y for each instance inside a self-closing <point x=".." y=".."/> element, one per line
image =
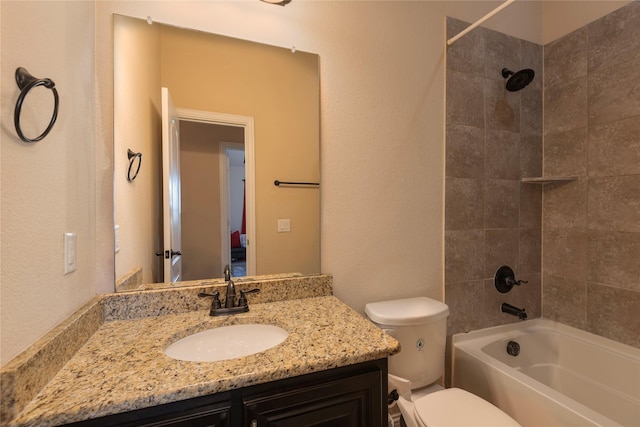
<point x="218" y="186"/>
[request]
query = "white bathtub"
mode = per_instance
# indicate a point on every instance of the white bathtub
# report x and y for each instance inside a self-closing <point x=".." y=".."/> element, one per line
<point x="563" y="376"/>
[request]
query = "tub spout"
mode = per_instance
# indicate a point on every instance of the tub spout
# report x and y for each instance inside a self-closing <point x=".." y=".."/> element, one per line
<point x="509" y="309"/>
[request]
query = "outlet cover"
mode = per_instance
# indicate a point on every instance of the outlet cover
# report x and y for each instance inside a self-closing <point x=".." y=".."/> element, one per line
<point x="284" y="225"/>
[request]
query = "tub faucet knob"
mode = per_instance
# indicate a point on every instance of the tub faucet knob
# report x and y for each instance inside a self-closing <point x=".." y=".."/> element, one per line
<point x="505" y="279"/>
<point x="215" y="303"/>
<point x="242" y="301"/>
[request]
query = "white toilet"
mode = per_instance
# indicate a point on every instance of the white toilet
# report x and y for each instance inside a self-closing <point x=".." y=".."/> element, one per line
<point x="420" y="325"/>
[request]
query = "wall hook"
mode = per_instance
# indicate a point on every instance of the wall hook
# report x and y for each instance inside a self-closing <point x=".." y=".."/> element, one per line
<point x="132" y="159"/>
<point x="505" y="279"/>
<point x="26" y="82"/>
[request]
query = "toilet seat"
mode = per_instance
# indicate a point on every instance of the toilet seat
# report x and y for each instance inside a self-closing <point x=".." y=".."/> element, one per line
<point x="457" y="407"/>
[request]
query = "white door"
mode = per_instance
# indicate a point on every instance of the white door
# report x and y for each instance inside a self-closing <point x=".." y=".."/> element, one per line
<point x="172" y="210"/>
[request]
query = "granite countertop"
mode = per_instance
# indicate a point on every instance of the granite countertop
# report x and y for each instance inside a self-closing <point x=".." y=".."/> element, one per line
<point x="122" y="366"/>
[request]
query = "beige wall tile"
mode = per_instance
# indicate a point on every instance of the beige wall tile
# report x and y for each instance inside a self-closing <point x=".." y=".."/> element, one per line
<point x="492" y="300"/>
<point x="529" y="295"/>
<point x="614" y="38"/>
<point x="465" y="306"/>
<point x="530" y="206"/>
<point x="565" y="253"/>
<point x="614" y="92"/>
<point x="465" y="95"/>
<point x="502" y="51"/>
<point x="565" y="205"/>
<point x="502" y="107"/>
<point x="531" y="57"/>
<point x="564" y="300"/>
<point x="463" y="203"/>
<point x="530" y="155"/>
<point x="530" y="250"/>
<point x="531" y="110"/>
<point x="466" y="54"/>
<point x="465" y="152"/>
<point x="614" y="148"/>
<point x="591" y="248"/>
<point x="614" y="259"/>
<point x="464" y="255"/>
<point x="614" y="203"/>
<point x="502" y="203"/>
<point x="565" y="106"/>
<point x="613" y="313"/>
<point x="502" y="151"/>
<point x="565" y="153"/>
<point x="565" y="59"/>
<point x="501" y="248"/>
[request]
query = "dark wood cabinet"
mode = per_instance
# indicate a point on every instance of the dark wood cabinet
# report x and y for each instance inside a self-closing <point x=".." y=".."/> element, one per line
<point x="213" y="416"/>
<point x="347" y="402"/>
<point x="207" y="411"/>
<point x="349" y="396"/>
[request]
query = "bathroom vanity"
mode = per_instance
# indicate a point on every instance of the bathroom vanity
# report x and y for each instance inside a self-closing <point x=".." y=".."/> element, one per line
<point x="349" y="397"/>
<point x="331" y="366"/>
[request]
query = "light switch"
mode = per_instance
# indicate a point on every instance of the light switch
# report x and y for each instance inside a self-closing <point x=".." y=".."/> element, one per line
<point x="70" y="250"/>
<point x="117" y="238"/>
<point x="284" y="225"/>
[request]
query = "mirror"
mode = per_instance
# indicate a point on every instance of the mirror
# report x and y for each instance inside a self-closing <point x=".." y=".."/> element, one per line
<point x="235" y="99"/>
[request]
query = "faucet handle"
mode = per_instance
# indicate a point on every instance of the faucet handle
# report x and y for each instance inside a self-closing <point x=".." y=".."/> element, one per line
<point x="216" y="298"/>
<point x="242" y="302"/>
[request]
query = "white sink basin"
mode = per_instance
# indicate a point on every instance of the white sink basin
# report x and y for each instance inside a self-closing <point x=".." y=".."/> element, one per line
<point x="226" y="342"/>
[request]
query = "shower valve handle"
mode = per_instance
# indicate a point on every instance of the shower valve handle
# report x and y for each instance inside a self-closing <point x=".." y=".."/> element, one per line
<point x="505" y="279"/>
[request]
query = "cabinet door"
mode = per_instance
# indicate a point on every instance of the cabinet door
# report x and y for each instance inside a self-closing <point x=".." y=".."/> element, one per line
<point x="349" y="402"/>
<point x="208" y="411"/>
<point x="214" y="417"/>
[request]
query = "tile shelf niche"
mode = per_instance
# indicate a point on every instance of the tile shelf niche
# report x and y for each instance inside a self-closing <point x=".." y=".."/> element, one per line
<point x="548" y="180"/>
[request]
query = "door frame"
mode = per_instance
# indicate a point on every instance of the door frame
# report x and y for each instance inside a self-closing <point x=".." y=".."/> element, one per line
<point x="225" y="198"/>
<point x="246" y="122"/>
<point x="171" y="200"/>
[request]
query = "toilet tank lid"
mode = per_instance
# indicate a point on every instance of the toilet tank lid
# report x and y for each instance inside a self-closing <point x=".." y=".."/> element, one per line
<point x="407" y="311"/>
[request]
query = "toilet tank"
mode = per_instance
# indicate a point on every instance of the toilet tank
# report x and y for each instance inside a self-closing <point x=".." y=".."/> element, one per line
<point x="420" y="325"/>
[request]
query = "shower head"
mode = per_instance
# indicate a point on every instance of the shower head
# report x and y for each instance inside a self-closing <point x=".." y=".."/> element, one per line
<point x="519" y="79"/>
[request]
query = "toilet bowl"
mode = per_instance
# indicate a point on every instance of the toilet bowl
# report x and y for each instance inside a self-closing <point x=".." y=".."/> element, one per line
<point x="419" y="324"/>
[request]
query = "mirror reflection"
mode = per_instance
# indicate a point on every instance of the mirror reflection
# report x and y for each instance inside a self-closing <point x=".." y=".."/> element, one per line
<point x="246" y="115"/>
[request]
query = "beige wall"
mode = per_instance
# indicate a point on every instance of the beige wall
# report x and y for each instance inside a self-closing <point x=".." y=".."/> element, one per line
<point x="279" y="89"/>
<point x="382" y="144"/>
<point x="48" y="187"/>
<point x="138" y="204"/>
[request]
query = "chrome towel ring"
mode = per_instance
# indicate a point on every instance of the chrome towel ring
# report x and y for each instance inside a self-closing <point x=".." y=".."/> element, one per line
<point x="26" y="82"/>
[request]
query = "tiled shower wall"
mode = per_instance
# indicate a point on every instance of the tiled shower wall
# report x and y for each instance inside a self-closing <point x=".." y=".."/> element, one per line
<point x="493" y="138"/>
<point x="591" y="130"/>
<point x="591" y="237"/>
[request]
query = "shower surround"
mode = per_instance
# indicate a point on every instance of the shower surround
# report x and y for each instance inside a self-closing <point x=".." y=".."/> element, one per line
<point x="493" y="139"/>
<point x="577" y="243"/>
<point x="591" y="237"/>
